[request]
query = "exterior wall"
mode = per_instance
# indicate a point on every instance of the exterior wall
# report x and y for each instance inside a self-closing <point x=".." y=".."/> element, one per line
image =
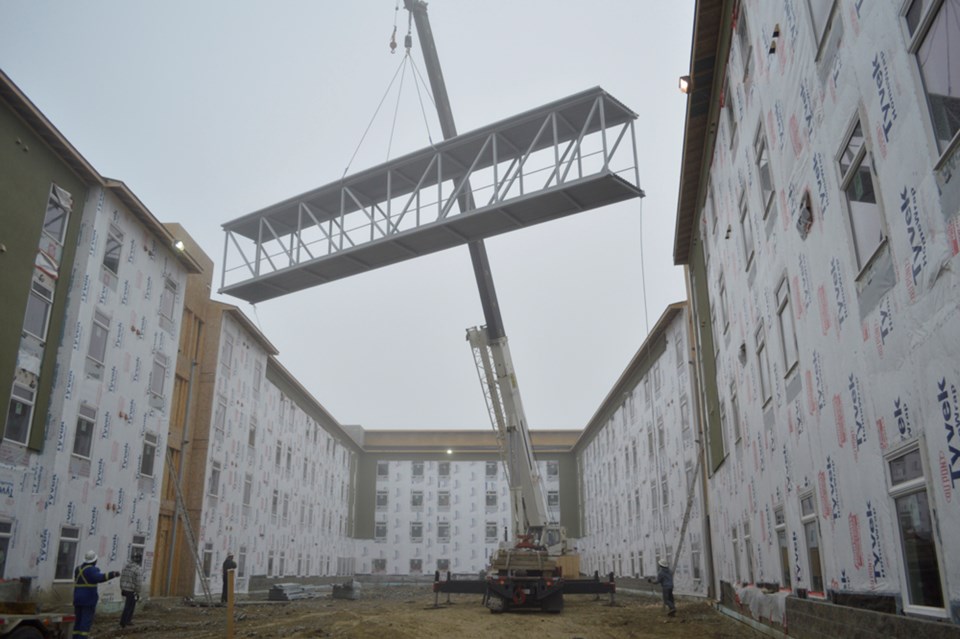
<point x="34" y="179"/>
<point x="95" y="485"/>
<point x="869" y="390"/>
<point x="295" y="520"/>
<point x="639" y="478"/>
<point x="467" y="547"/>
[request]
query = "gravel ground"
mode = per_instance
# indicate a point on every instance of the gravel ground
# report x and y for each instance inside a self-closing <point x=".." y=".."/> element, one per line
<point x="407" y="612"/>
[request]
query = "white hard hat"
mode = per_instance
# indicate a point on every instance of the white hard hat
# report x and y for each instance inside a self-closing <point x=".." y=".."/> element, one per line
<point x="90" y="557"/>
<point x="663" y="563"/>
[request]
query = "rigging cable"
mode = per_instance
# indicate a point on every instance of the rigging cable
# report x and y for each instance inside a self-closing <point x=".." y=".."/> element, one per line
<point x="643" y="277"/>
<point x="367" y="130"/>
<point x="396" y="108"/>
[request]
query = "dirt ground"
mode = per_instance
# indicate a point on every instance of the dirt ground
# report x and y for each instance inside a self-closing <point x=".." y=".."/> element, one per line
<point x="407" y="612"/>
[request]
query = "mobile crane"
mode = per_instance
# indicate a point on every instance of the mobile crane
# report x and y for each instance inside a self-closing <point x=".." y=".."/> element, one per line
<point x="526" y="572"/>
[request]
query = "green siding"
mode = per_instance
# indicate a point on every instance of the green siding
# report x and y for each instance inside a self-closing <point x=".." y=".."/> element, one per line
<point x="29" y="168"/>
<point x="708" y="364"/>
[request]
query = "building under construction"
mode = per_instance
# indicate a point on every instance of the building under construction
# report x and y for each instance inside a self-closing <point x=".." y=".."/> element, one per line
<point x="786" y="438"/>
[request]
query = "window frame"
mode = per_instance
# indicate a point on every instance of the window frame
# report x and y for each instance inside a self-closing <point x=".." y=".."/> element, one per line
<point x="42" y="295"/>
<point x="72" y="545"/>
<point x="213" y="480"/>
<point x="113" y="244"/>
<point x="30" y="402"/>
<point x="806" y="519"/>
<point x="158" y="374"/>
<point x="87" y="414"/>
<point x="915" y="40"/>
<point x="785" y="309"/>
<point x="99" y="359"/>
<point x="820" y="32"/>
<point x="761" y="150"/>
<point x="862" y="263"/>
<point x="746" y="231"/>
<point x="763" y="364"/>
<point x="912" y="486"/>
<point x="151" y="441"/>
<point x="783" y="551"/>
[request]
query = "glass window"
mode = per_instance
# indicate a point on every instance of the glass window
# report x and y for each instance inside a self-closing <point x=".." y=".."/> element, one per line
<point x="111" y="254"/>
<point x="746" y="229"/>
<point x="443" y="531"/>
<point x="149" y="454"/>
<point x="820" y="11"/>
<point x="213" y="484"/>
<point x="208" y="559"/>
<point x="764" y="170"/>
<point x="416" y="499"/>
<point x="247" y="488"/>
<point x="158" y="374"/>
<point x="416" y="531"/>
<point x="418" y="469"/>
<point x="19" y="414"/>
<point x="6" y="531"/>
<point x="67" y="553"/>
<point x="553" y="499"/>
<point x="915" y="526"/>
<point x="443" y="499"/>
<point x="491" y="531"/>
<point x="168" y="299"/>
<point x="383" y="469"/>
<point x="443" y="469"/>
<point x="226" y="362"/>
<point x="491" y="499"/>
<point x="443" y="565"/>
<point x="252" y="432"/>
<point x="491" y="469"/>
<point x="866" y="217"/>
<point x="220" y="419"/>
<point x="553" y="468"/>
<point x="382" y="499"/>
<point x="788" y="332"/>
<point x="724" y="315"/>
<point x="416" y="566"/>
<point x="83" y="438"/>
<point x="735" y="412"/>
<point x="58" y="210"/>
<point x="811" y="535"/>
<point x="763" y="363"/>
<point x="38" y="311"/>
<point x="735" y="546"/>
<point x="379" y="566"/>
<point x="99" y="334"/>
<point x="748" y="551"/>
<point x="731" y="117"/>
<point x="242" y="561"/>
<point x="780" y="526"/>
<point x="937" y="62"/>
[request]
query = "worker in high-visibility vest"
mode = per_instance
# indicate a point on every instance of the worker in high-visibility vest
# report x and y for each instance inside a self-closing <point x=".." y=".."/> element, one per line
<point x="86" y="576"/>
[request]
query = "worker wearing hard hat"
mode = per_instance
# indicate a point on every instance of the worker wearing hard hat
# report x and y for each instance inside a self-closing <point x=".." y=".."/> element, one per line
<point x="665" y="579"/>
<point x="86" y="576"/>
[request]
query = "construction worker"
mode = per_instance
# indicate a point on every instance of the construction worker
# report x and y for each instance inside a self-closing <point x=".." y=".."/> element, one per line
<point x="228" y="565"/>
<point x="665" y="579"/>
<point x="86" y="576"/>
<point x="130" y="579"/>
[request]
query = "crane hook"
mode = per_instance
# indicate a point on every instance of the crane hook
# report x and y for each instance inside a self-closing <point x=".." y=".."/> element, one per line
<point x="393" y="40"/>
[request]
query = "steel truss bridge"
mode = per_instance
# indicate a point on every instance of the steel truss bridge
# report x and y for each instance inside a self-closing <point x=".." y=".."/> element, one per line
<point x="565" y="157"/>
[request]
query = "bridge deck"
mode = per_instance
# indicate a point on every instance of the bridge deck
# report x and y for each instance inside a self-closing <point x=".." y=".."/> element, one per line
<point x="563" y="158"/>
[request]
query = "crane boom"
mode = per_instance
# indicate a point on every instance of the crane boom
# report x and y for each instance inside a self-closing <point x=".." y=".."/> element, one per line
<point x="495" y="368"/>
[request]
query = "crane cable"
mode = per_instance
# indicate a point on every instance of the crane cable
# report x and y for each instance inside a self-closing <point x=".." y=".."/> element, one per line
<point x="418" y="78"/>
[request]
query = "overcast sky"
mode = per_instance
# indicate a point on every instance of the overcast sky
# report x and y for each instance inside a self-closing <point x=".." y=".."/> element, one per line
<point x="212" y="110"/>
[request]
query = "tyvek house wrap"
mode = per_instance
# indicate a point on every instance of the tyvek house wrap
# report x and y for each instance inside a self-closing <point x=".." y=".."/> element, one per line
<point x="879" y="351"/>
